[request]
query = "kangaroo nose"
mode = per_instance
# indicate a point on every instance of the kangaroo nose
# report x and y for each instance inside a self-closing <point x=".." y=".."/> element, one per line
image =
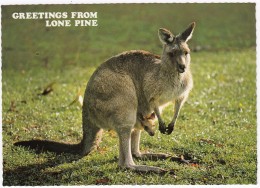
<point x="181" y="68"/>
<point x="151" y="133"/>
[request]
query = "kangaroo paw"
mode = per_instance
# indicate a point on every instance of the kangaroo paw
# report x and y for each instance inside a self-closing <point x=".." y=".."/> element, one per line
<point x="162" y="127"/>
<point x="170" y="128"/>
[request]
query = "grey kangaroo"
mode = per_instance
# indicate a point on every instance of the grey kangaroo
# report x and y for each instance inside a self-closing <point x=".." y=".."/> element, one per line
<point x="128" y="84"/>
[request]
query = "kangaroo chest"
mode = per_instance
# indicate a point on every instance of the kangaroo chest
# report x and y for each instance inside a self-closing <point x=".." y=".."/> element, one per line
<point x="174" y="89"/>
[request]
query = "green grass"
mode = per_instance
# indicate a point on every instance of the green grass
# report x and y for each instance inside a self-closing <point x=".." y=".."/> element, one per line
<point x="216" y="127"/>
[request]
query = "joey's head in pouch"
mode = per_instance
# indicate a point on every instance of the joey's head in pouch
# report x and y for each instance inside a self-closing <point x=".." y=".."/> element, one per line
<point x="148" y="124"/>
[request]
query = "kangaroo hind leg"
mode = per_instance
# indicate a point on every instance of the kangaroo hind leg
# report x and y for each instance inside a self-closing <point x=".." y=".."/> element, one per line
<point x="135" y="139"/>
<point x="125" y="155"/>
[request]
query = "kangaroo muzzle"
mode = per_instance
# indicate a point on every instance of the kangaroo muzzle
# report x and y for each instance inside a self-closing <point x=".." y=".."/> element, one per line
<point x="181" y="68"/>
<point x="149" y="131"/>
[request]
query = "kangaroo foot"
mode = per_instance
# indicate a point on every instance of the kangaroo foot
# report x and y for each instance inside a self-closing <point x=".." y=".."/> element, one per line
<point x="148" y="169"/>
<point x="180" y="160"/>
<point x="152" y="156"/>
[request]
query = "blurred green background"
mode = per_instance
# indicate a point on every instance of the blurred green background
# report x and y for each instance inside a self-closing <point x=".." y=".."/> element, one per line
<point x="121" y="27"/>
<point x="216" y="127"/>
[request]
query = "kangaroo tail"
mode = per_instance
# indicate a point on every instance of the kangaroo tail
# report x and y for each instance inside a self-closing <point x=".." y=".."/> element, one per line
<point x="91" y="138"/>
<point x="46" y="145"/>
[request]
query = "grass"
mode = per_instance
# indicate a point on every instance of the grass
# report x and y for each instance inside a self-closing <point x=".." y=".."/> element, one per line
<point x="216" y="127"/>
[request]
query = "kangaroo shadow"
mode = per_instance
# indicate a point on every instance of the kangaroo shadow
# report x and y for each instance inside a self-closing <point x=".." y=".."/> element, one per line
<point x="31" y="175"/>
<point x="36" y="175"/>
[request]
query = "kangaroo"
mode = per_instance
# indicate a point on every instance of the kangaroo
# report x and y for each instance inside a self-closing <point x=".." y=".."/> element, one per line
<point x="131" y="83"/>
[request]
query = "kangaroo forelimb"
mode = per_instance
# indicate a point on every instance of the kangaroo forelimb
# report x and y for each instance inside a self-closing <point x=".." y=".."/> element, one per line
<point x="162" y="125"/>
<point x="177" y="107"/>
<point x="170" y="128"/>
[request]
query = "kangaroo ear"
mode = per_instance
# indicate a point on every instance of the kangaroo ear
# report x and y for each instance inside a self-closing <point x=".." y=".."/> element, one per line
<point x="165" y="36"/>
<point x="152" y="116"/>
<point x="187" y="34"/>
